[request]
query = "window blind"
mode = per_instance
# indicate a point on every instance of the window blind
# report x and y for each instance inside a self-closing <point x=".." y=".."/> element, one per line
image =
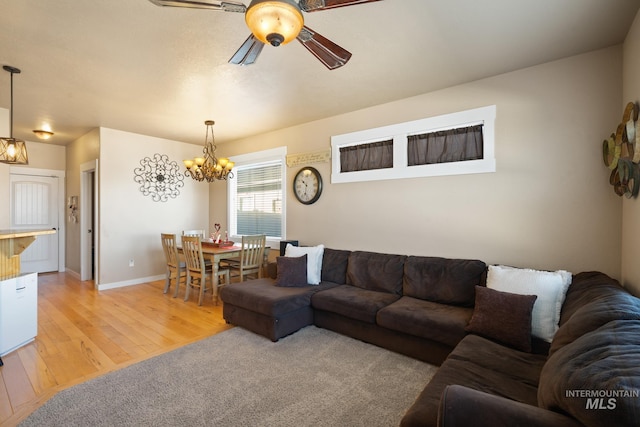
<point x="259" y="199"/>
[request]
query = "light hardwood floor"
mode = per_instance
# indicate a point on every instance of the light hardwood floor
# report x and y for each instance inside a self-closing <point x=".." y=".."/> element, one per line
<point x="83" y="333"/>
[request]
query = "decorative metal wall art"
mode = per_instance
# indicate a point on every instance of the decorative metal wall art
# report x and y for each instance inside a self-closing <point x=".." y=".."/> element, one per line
<point x="621" y="154"/>
<point x="72" y="203"/>
<point x="159" y="178"/>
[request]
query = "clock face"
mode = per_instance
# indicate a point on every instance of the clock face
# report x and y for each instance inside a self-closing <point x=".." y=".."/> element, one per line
<point x="307" y="185"/>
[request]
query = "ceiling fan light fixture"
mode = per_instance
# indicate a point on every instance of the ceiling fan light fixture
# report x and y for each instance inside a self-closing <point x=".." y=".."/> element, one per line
<point x="275" y="22"/>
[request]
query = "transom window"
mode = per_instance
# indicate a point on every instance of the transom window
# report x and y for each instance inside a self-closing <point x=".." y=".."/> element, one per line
<point x="452" y="144"/>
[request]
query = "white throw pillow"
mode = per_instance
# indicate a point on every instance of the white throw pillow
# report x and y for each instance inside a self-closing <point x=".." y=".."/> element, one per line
<point x="314" y="260"/>
<point x="550" y="287"/>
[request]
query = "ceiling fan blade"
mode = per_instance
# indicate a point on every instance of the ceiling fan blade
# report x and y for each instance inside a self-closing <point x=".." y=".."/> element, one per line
<point x="314" y="5"/>
<point x="248" y="52"/>
<point x="329" y="53"/>
<point x="226" y="6"/>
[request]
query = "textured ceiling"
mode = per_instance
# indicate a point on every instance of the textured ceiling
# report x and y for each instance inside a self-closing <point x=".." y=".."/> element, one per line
<point x="137" y="67"/>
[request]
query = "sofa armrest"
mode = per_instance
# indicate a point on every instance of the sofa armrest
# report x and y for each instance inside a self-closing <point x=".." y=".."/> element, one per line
<point x="463" y="406"/>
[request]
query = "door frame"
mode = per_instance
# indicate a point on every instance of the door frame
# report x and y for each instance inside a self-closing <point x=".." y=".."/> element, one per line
<point x="85" y="219"/>
<point x="62" y="230"/>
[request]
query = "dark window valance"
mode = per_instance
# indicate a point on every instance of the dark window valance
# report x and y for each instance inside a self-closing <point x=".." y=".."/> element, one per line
<point x="362" y="157"/>
<point x="451" y="145"/>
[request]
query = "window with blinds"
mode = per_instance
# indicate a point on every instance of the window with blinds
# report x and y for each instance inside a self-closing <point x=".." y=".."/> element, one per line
<point x="256" y="196"/>
<point x="259" y="199"/>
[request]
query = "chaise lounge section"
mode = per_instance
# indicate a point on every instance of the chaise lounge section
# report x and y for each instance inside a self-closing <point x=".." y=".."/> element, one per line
<point x="423" y="307"/>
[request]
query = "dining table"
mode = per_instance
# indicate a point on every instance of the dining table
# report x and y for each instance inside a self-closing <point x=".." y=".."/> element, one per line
<point x="216" y="253"/>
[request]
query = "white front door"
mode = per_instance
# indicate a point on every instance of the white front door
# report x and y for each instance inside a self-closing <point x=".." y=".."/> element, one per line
<point x="34" y="205"/>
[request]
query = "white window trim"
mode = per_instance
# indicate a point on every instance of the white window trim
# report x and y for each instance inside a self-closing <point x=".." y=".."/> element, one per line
<point x="399" y="133"/>
<point x="279" y="153"/>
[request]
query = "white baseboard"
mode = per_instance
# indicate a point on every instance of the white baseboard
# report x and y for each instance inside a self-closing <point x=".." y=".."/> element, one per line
<point x="70" y="272"/>
<point x="105" y="286"/>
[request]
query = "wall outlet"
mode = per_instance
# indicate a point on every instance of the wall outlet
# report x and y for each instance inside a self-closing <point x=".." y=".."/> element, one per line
<point x="131" y="263"/>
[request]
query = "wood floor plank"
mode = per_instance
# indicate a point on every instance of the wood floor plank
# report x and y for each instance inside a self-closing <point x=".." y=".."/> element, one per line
<point x="83" y="333"/>
<point x="5" y="407"/>
<point x="17" y="381"/>
<point x="39" y="375"/>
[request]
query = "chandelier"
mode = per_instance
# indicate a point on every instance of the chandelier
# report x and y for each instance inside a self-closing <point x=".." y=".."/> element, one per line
<point x="209" y="168"/>
<point x="12" y="150"/>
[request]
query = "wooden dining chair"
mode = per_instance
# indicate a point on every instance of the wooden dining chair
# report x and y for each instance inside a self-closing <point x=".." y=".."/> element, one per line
<point x="198" y="271"/>
<point x="193" y="233"/>
<point x="251" y="257"/>
<point x="176" y="268"/>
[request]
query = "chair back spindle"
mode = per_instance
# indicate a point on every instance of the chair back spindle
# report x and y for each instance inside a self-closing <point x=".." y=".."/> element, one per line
<point x="251" y="256"/>
<point x="175" y="266"/>
<point x="199" y="233"/>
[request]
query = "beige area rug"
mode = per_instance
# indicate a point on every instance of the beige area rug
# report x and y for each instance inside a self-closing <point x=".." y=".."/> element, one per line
<point x="314" y="377"/>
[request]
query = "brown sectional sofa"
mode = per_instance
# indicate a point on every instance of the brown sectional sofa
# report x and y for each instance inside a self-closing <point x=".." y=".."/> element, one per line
<point x="420" y="306"/>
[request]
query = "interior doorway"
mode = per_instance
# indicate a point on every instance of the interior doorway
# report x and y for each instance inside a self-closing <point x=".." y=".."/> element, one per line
<point x="88" y="222"/>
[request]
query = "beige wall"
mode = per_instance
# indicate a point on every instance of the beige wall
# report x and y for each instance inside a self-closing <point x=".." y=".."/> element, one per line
<point x="5" y="191"/>
<point x="549" y="205"/>
<point x="631" y="207"/>
<point x="131" y="223"/>
<point x="46" y="156"/>
<point x="82" y="150"/>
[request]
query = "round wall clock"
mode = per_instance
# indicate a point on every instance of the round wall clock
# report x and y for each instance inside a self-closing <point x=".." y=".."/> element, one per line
<point x="307" y="185"/>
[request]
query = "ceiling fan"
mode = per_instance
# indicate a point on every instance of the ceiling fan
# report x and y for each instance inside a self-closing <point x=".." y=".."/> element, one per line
<point x="277" y="22"/>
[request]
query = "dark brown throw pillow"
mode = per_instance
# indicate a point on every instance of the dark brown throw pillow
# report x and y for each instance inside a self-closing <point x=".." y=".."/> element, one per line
<point x="503" y="316"/>
<point x="292" y="271"/>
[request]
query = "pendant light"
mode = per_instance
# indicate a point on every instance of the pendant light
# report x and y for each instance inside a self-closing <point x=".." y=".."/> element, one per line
<point x="12" y="150"/>
<point x="209" y="168"/>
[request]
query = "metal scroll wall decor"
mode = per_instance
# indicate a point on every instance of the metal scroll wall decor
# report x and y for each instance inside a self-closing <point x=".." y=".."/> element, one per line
<point x="621" y="154"/>
<point x="159" y="178"/>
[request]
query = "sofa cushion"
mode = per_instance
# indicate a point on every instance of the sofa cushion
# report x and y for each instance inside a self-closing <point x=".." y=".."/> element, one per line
<point x="353" y="302"/>
<point x="612" y="304"/>
<point x="462" y="406"/>
<point x="483" y="365"/>
<point x="596" y="378"/>
<point x="584" y="287"/>
<point x="549" y="286"/>
<point x="376" y="272"/>
<point x="314" y="260"/>
<point x="426" y="319"/>
<point x="334" y="265"/>
<point x="503" y="317"/>
<point x="263" y="296"/>
<point x="448" y="281"/>
<point x="292" y="271"/>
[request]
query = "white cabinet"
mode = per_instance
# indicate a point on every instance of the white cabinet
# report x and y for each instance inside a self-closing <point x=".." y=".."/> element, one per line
<point x="18" y="311"/>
